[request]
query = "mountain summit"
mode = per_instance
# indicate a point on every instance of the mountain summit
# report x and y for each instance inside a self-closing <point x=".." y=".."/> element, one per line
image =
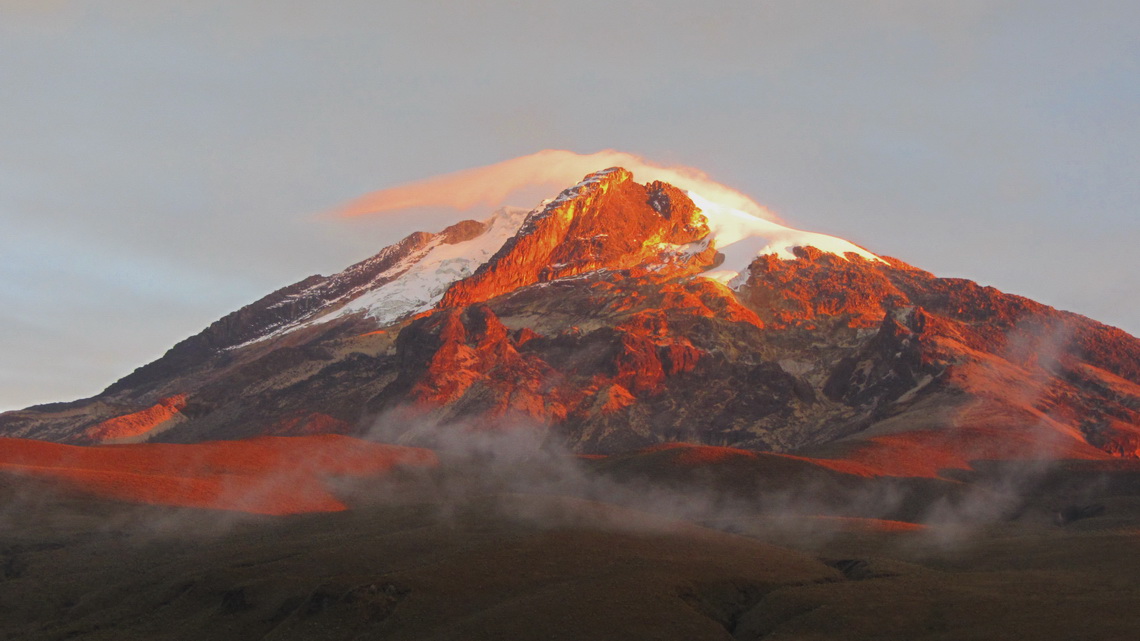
<point x="620" y="315"/>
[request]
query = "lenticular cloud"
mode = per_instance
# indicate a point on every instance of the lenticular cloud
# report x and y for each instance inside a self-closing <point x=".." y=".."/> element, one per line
<point x="492" y="185"/>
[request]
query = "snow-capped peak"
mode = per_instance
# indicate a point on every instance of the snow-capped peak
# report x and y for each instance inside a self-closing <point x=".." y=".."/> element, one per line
<point x="741" y="237"/>
<point x="415" y="275"/>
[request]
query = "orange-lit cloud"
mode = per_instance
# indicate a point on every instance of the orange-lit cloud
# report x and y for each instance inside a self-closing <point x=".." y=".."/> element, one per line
<point x="553" y="169"/>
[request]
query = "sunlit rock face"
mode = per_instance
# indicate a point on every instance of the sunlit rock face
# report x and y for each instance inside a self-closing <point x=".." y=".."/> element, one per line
<point x="621" y="315"/>
<point x="139" y="425"/>
<point x="605" y="222"/>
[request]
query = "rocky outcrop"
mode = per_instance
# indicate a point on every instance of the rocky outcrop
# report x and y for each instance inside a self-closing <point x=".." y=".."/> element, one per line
<point x="605" y="222"/>
<point x="819" y="288"/>
<point x="896" y="361"/>
<point x="468" y="362"/>
<point x="138" y="424"/>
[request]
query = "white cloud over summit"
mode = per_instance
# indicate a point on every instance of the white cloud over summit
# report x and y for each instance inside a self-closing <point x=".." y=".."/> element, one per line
<point x="554" y="169"/>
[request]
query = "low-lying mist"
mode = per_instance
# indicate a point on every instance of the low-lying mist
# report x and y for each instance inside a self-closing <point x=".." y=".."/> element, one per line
<point x="520" y="473"/>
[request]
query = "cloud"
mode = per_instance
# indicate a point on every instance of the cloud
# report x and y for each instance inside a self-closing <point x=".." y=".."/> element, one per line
<point x="492" y="185"/>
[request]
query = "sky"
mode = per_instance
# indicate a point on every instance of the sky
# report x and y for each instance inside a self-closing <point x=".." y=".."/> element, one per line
<point x="164" y="163"/>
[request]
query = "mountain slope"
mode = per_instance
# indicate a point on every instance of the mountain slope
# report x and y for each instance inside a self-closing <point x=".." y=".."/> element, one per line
<point x="618" y="316"/>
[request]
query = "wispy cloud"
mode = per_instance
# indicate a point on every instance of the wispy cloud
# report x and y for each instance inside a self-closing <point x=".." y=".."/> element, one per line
<point x="493" y="185"/>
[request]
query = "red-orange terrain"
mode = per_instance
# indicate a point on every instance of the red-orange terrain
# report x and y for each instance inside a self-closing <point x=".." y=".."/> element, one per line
<point x="265" y="475"/>
<point x="138" y="423"/>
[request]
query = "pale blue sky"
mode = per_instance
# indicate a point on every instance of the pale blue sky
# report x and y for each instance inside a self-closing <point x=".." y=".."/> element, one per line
<point x="163" y="163"/>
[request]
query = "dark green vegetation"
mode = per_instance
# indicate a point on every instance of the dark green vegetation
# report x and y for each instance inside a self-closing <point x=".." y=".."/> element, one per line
<point x="475" y="556"/>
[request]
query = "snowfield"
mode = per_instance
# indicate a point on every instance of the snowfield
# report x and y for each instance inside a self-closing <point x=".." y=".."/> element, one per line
<point x="741" y="237"/>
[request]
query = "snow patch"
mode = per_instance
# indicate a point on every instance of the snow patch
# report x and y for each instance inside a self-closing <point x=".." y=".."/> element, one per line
<point x="423" y="283"/>
<point x="741" y="237"/>
<point x="417" y="282"/>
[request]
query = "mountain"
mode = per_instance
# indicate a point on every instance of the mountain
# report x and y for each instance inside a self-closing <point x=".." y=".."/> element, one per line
<point x="620" y="316"/>
<point x="644" y="415"/>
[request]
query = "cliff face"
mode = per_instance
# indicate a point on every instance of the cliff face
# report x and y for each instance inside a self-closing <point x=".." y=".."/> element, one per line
<point x="593" y="321"/>
<point x="605" y="222"/>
